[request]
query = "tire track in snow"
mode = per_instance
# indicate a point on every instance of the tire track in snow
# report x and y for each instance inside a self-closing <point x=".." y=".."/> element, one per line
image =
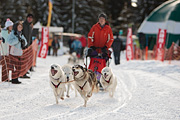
<point x="125" y="92"/>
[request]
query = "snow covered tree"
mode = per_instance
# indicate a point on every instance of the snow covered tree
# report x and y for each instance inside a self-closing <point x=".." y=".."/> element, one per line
<point x="15" y="10"/>
<point x="86" y="14"/>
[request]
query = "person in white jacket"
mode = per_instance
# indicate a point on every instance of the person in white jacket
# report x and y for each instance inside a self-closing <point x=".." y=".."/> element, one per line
<point x="4" y="34"/>
<point x="18" y="42"/>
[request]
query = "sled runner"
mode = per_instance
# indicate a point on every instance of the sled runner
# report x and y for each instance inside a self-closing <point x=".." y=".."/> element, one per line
<point x="97" y="62"/>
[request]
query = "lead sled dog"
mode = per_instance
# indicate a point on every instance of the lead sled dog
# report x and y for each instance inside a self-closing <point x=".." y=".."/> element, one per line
<point x="85" y="82"/>
<point x="57" y="80"/>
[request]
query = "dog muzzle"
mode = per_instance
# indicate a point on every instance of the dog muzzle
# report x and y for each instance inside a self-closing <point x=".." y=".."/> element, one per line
<point x="75" y="73"/>
<point x="105" y="75"/>
<point x="53" y="72"/>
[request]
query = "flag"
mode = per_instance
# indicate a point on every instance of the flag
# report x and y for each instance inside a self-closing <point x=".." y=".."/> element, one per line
<point x="161" y="38"/>
<point x="44" y="42"/>
<point x="50" y="12"/>
<point x="129" y="45"/>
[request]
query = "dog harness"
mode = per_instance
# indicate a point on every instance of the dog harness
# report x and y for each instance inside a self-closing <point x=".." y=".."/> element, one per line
<point x="56" y="86"/>
<point x="55" y="79"/>
<point x="82" y="86"/>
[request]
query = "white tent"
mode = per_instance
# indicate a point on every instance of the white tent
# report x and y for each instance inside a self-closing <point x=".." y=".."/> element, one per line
<point x="51" y="29"/>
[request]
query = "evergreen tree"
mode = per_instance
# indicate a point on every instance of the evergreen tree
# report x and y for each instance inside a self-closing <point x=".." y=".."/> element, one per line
<point x="15" y="10"/>
<point x="120" y="12"/>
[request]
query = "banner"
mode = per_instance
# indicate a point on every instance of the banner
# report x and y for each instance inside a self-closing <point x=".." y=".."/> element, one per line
<point x="50" y="12"/>
<point x="161" y="38"/>
<point x="44" y="42"/>
<point x="129" y="45"/>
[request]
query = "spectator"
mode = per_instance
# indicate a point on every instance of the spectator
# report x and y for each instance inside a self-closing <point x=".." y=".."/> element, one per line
<point x="55" y="46"/>
<point x="17" y="41"/>
<point x="84" y="43"/>
<point x="117" y="47"/>
<point x="70" y="41"/>
<point x="50" y="45"/>
<point x="5" y="33"/>
<point x="142" y="41"/>
<point x="1" y="41"/>
<point x="27" y="32"/>
<point x="76" y="47"/>
<point x="27" y="29"/>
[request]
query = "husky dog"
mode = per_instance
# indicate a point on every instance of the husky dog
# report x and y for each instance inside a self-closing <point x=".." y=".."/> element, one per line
<point x="57" y="80"/>
<point x="85" y="82"/>
<point x="69" y="78"/>
<point x="73" y="59"/>
<point x="108" y="81"/>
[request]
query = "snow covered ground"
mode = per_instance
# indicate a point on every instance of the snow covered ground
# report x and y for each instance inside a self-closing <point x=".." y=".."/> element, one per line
<point x="146" y="90"/>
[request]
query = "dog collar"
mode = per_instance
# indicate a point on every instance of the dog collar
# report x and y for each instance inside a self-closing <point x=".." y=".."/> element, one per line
<point x="82" y="86"/>
<point x="56" y="86"/>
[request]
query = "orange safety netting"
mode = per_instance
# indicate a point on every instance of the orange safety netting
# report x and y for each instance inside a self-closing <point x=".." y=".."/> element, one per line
<point x="19" y="65"/>
<point x="173" y="53"/>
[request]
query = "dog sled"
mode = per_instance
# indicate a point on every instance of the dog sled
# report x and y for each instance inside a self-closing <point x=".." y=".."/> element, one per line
<point x="98" y="61"/>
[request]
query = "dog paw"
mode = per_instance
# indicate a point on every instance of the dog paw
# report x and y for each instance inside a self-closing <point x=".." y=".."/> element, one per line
<point x="62" y="98"/>
<point x="67" y="96"/>
<point x="88" y="96"/>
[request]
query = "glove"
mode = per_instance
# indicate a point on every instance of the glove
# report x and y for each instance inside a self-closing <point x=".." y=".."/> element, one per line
<point x="94" y="48"/>
<point x="104" y="49"/>
<point x="91" y="50"/>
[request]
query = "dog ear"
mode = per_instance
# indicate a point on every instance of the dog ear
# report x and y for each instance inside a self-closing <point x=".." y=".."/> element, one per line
<point x="85" y="69"/>
<point x="81" y="67"/>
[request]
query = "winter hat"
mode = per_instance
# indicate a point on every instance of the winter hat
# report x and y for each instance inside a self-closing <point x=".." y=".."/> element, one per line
<point x="8" y="23"/>
<point x="29" y="15"/>
<point x="102" y="15"/>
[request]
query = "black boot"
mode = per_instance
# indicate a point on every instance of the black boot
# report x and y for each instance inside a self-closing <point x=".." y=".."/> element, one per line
<point x="16" y="81"/>
<point x="25" y="76"/>
<point x="31" y="69"/>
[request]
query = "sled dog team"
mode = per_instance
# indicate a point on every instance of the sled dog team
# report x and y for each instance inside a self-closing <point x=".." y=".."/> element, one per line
<point x="84" y="81"/>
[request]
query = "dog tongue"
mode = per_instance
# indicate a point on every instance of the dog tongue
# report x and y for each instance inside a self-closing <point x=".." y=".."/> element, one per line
<point x="53" y="72"/>
<point x="75" y="73"/>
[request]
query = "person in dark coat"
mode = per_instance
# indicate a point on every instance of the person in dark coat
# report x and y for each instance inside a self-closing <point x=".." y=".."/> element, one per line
<point x="70" y="41"/>
<point x="117" y="47"/>
<point x="55" y="46"/>
<point x="142" y="41"/>
<point x="27" y="28"/>
<point x="27" y="32"/>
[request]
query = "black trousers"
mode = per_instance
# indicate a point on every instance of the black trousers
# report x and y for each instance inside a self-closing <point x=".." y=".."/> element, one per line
<point x="117" y="57"/>
<point x="49" y="50"/>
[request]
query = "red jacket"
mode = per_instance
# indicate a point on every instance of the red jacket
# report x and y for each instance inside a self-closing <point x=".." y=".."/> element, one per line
<point x="83" y="41"/>
<point x="100" y="37"/>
